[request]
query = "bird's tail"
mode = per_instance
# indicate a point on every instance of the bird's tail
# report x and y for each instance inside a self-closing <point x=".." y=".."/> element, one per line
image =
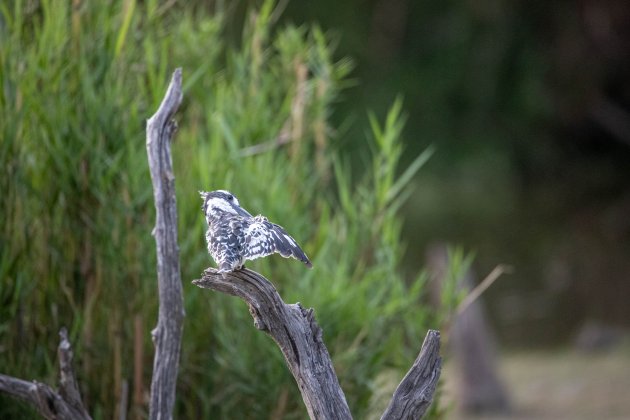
<point x="288" y="247"/>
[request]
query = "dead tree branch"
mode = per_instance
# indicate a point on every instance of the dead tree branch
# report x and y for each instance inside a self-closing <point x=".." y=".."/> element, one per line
<point x="299" y="337"/>
<point x="168" y="333"/>
<point x="414" y="394"/>
<point x="297" y="334"/>
<point x="63" y="404"/>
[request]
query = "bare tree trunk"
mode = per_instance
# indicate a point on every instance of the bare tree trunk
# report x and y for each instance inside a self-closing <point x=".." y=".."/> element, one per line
<point x="299" y="337"/>
<point x="168" y="333"/>
<point x="64" y="404"/>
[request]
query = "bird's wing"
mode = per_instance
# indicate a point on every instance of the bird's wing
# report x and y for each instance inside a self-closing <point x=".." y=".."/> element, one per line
<point x="264" y="238"/>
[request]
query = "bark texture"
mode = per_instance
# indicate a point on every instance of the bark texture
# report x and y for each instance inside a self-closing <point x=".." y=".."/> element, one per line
<point x="167" y="334"/>
<point x="297" y="334"/>
<point x="414" y="394"/>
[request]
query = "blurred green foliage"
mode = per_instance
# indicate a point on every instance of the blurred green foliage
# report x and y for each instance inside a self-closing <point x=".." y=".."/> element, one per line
<point x="517" y="98"/>
<point x="77" y="84"/>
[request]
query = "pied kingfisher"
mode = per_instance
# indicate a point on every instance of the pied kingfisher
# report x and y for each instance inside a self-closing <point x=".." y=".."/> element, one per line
<point x="234" y="235"/>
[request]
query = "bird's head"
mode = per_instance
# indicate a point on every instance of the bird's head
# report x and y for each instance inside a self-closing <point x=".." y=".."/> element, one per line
<point x="219" y="203"/>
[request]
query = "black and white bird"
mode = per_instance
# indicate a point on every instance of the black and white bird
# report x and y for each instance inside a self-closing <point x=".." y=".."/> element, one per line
<point x="234" y="235"/>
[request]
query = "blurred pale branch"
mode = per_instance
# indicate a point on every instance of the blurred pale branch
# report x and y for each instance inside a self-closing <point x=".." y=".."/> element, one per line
<point x="475" y="293"/>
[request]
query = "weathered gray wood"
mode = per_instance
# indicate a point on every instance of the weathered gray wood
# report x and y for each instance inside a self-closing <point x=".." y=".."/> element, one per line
<point x="299" y="337"/>
<point x="65" y="404"/>
<point x="168" y="332"/>
<point x="297" y="334"/>
<point x="68" y="387"/>
<point x="413" y="396"/>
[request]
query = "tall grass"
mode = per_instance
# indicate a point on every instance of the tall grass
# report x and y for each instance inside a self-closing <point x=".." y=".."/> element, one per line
<point x="77" y="84"/>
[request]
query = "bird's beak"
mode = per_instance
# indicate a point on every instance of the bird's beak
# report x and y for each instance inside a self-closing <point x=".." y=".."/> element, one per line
<point x="242" y="212"/>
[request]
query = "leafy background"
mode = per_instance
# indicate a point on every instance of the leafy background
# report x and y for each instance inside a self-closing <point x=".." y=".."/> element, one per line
<point x="78" y="83"/>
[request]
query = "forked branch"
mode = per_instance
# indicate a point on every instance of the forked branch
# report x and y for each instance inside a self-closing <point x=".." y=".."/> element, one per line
<point x="299" y="337"/>
<point x="62" y="404"/>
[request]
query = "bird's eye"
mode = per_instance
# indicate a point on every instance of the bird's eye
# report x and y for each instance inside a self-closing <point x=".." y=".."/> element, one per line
<point x="230" y="197"/>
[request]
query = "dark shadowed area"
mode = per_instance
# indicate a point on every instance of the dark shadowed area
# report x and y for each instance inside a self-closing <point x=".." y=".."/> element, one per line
<point x="528" y="105"/>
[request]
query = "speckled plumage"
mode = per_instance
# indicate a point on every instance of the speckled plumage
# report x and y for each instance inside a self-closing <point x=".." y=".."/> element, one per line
<point x="234" y="235"/>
